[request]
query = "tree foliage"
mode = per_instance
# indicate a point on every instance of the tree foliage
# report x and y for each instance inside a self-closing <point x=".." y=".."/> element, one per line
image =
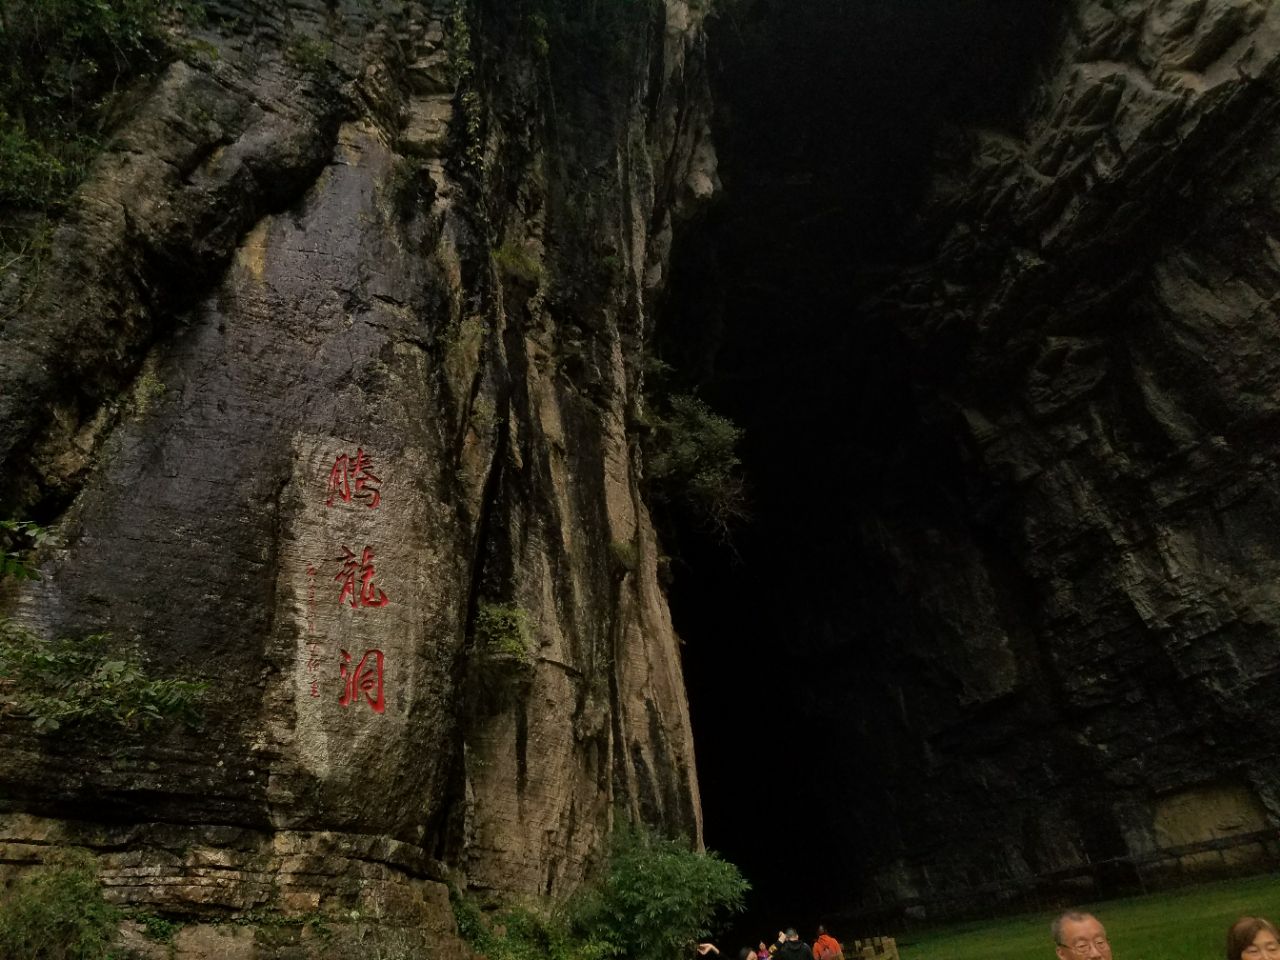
<point x="88" y="681"/>
<point x="658" y="898"/>
<point x="58" y="913"/>
<point x="60" y="63"/>
<point x="692" y="458"/>
<point x="16" y="538"/>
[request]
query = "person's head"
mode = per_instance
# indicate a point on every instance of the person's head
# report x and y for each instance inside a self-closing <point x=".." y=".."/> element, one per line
<point x="1079" y="936"/>
<point x="1253" y="938"/>
<point x="791" y="933"/>
<point x="762" y="947"/>
<point x="822" y="931"/>
<point x="746" y="953"/>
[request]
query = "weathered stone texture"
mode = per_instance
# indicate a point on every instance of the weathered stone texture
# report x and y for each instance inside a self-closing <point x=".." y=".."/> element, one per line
<point x="1097" y="587"/>
<point x="280" y="263"/>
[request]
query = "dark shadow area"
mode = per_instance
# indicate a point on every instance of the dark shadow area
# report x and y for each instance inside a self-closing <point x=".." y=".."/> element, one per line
<point x="830" y="116"/>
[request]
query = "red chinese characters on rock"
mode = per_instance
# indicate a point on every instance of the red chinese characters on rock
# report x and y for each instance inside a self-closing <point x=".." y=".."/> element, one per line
<point x="366" y="595"/>
<point x="353" y="478"/>
<point x="365" y="679"/>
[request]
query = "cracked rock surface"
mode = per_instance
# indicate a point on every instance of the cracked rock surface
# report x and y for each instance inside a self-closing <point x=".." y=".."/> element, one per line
<point x="298" y="416"/>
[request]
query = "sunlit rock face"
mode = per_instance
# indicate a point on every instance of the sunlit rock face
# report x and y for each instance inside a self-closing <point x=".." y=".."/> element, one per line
<point x="333" y="354"/>
<point x="1017" y="417"/>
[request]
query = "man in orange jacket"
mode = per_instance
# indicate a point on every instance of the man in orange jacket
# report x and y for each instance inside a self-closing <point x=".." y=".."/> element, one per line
<point x="826" y="947"/>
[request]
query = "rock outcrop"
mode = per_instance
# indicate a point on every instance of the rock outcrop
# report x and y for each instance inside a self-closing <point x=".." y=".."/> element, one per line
<point x="1027" y="383"/>
<point x="338" y="352"/>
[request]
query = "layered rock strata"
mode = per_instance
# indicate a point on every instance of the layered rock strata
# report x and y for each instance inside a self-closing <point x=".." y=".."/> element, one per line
<point x="336" y="354"/>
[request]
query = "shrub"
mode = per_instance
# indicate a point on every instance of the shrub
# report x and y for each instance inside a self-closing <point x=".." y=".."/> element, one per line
<point x="656" y="901"/>
<point x="515" y="261"/>
<point x="58" y="913"/>
<point x="624" y="555"/>
<point x="659" y="898"/>
<point x="60" y="63"/>
<point x="504" y="628"/>
<point x="89" y="681"/>
<point x="692" y="458"/>
<point x="16" y="537"/>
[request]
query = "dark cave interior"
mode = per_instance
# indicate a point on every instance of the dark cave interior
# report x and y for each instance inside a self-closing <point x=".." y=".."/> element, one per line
<point x="830" y="118"/>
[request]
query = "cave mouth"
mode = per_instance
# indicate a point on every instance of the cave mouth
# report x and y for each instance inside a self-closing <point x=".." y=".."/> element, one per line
<point x="831" y="119"/>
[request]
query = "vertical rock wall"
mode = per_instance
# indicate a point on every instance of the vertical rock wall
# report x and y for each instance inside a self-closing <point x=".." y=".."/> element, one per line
<point x="338" y="348"/>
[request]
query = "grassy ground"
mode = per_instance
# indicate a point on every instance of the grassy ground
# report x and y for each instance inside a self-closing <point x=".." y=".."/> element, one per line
<point x="1182" y="925"/>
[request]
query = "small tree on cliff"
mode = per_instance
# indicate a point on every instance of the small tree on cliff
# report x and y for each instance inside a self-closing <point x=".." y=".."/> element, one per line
<point x="691" y="458"/>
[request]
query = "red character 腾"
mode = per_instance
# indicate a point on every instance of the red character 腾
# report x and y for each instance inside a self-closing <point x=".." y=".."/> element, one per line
<point x="368" y="595"/>
<point x="364" y="679"/>
<point x="353" y="478"/>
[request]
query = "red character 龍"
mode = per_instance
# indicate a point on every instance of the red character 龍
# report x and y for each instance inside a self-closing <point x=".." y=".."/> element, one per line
<point x="365" y="679"/>
<point x="367" y="595"/>
<point x="354" y="478"/>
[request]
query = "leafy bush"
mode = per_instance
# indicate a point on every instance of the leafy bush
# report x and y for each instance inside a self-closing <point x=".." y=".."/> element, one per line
<point x="515" y="261"/>
<point x="692" y="458"/>
<point x="58" y="913"/>
<point x="504" y="628"/>
<point x="657" y="900"/>
<point x="16" y="537"/>
<point x="90" y="681"/>
<point x="60" y="63"/>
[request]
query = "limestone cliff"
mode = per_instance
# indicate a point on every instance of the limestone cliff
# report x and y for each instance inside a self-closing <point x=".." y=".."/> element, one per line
<point x="1006" y="316"/>
<point x="337" y="351"/>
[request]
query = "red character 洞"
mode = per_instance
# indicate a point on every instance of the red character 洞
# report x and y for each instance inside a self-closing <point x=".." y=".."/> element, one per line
<point x="365" y="679"/>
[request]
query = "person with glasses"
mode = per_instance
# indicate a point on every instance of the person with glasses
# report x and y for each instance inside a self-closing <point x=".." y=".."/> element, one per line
<point x="1253" y="938"/>
<point x="1081" y="935"/>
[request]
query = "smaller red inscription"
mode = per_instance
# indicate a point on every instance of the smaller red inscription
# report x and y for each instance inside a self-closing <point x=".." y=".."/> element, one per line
<point x="367" y="595"/>
<point x="365" y="679"/>
<point x="353" y="478"/>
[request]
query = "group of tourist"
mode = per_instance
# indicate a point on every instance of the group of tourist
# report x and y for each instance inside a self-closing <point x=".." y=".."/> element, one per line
<point x="1077" y="935"/>
<point x="788" y="946"/>
<point x="1081" y="935"/>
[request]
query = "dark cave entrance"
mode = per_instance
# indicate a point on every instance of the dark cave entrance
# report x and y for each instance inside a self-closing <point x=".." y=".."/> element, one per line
<point x="832" y="117"/>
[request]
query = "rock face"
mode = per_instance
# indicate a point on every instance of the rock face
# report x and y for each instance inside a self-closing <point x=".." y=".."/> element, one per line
<point x="1028" y="386"/>
<point x="337" y="353"/>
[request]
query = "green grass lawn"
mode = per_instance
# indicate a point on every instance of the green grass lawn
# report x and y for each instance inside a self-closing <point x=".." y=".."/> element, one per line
<point x="1182" y="925"/>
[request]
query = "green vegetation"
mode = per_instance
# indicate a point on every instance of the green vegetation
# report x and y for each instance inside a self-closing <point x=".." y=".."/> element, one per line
<point x="625" y="555"/>
<point x="61" y="62"/>
<point x="587" y="26"/>
<point x="691" y="458"/>
<point x="157" y="928"/>
<point x="656" y="901"/>
<point x="409" y="187"/>
<point x="58" y="913"/>
<point x="1179" y="925"/>
<point x="17" y="537"/>
<point x="309" y="54"/>
<point x="56" y="683"/>
<point x="462" y="71"/>
<point x="514" y="260"/>
<point x="504" y="628"/>
<point x="147" y="389"/>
